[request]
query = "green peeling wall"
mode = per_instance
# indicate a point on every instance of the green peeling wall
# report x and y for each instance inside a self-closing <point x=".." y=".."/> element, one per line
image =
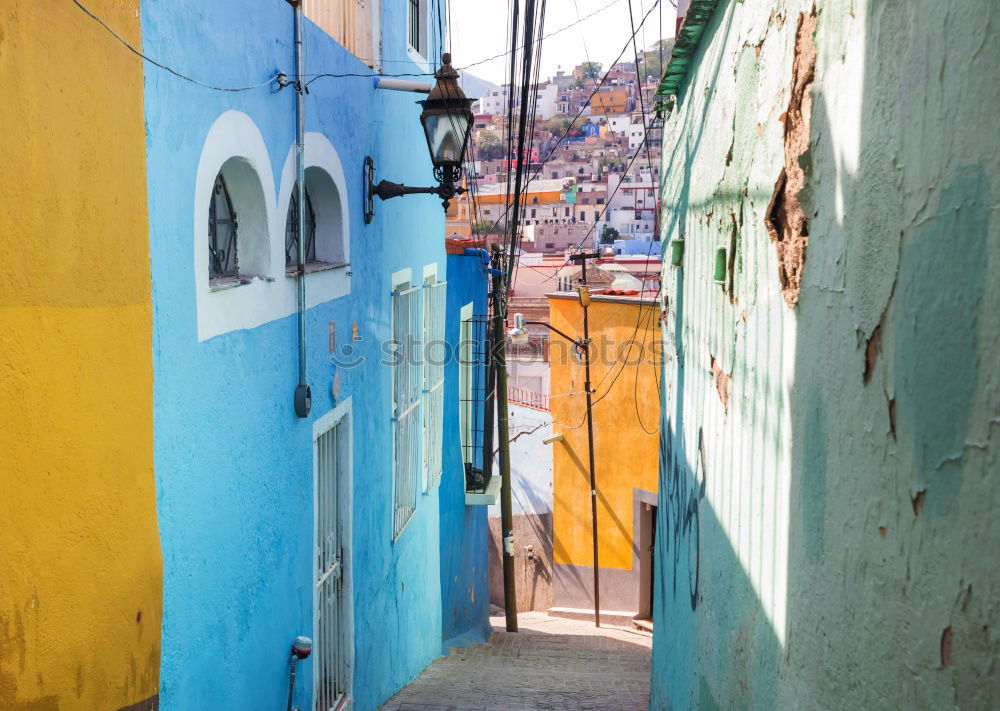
<point x="830" y="448"/>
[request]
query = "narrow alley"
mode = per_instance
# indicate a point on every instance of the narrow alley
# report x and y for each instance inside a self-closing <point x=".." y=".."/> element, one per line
<point x="550" y="663"/>
<point x="333" y="330"/>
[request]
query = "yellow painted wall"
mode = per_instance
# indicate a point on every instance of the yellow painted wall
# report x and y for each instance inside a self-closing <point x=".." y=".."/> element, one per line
<point x="612" y="101"/>
<point x="81" y="580"/>
<point x="626" y="456"/>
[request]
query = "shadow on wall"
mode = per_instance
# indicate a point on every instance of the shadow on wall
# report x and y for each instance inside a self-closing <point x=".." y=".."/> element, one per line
<point x="692" y="546"/>
<point x="710" y="624"/>
<point x="892" y="424"/>
<point x="892" y="412"/>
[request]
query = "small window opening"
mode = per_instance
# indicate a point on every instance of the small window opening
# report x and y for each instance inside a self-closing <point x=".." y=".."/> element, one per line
<point x="222" y="233"/>
<point x="292" y="231"/>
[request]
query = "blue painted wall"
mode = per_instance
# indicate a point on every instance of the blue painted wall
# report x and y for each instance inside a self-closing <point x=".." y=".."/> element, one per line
<point x="465" y="595"/>
<point x="233" y="462"/>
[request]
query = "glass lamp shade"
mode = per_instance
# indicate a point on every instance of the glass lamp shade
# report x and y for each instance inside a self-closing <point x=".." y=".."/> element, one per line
<point x="446" y="118"/>
<point x="518" y="334"/>
<point x="447" y="133"/>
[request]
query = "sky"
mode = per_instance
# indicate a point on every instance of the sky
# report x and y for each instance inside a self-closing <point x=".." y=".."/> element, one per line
<point x="480" y="29"/>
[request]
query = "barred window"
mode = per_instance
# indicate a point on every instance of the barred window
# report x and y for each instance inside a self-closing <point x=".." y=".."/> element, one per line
<point x="222" y="228"/>
<point x="407" y="389"/>
<point x="466" y="361"/>
<point x="292" y="230"/>
<point x="433" y="394"/>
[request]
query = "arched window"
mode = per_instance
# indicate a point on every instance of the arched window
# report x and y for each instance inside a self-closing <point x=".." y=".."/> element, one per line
<point x="292" y="230"/>
<point x="222" y="233"/>
<point x="325" y="243"/>
<point x="238" y="248"/>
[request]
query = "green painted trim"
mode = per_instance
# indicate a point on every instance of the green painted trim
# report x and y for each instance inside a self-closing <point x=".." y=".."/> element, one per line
<point x="686" y="44"/>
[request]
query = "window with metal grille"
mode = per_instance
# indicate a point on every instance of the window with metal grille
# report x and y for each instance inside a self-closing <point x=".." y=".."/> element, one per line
<point x="472" y="392"/>
<point x="292" y="230"/>
<point x="332" y="456"/>
<point x="222" y="227"/>
<point x="433" y="395"/>
<point x="407" y="378"/>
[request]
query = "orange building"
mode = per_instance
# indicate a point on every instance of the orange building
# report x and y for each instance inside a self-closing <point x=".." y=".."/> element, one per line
<point x="612" y="100"/>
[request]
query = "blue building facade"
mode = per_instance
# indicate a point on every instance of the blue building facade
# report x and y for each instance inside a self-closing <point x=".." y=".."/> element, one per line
<point x="237" y="472"/>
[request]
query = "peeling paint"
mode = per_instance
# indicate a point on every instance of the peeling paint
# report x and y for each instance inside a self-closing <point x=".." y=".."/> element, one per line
<point x="871" y="353"/>
<point x="946" y="639"/>
<point x="786" y="220"/>
<point x="851" y="497"/>
<point x="721" y="383"/>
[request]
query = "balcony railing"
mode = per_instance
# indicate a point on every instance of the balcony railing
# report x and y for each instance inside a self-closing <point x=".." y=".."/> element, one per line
<point x="528" y="398"/>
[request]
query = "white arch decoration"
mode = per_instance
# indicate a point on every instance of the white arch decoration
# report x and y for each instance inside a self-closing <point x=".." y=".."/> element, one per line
<point x="270" y="296"/>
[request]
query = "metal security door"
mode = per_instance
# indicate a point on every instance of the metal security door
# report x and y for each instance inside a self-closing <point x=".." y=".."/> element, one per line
<point x="332" y="450"/>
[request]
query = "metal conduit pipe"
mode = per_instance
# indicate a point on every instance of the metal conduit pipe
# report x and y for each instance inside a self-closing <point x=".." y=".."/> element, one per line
<point x="417" y="87"/>
<point x="303" y="397"/>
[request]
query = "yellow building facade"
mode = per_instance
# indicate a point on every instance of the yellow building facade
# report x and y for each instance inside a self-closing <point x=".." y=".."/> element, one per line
<point x="626" y="408"/>
<point x="81" y="591"/>
<point x="613" y="100"/>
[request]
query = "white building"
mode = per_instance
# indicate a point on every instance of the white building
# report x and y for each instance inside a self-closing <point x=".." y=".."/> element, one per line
<point x="636" y="135"/>
<point x="494" y="101"/>
<point x="547" y="103"/>
<point x="619" y="123"/>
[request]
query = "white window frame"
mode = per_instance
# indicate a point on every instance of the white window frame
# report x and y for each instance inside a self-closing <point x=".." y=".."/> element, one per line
<point x="341" y="416"/>
<point x="407" y="386"/>
<point x="420" y="55"/>
<point x="434" y="304"/>
<point x="465" y="363"/>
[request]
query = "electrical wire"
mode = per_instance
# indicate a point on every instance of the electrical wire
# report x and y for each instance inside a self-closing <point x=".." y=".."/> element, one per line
<point x="606" y="206"/>
<point x="312" y="77"/>
<point x="583" y="107"/>
<point x="526" y="74"/>
<point x="502" y="54"/>
<point x="162" y="66"/>
<point x="533" y="113"/>
<point x="623" y="358"/>
<point x="635" y="394"/>
<point x="638" y="81"/>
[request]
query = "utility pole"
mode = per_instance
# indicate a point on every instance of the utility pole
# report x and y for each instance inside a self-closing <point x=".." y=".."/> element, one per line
<point x="582" y="258"/>
<point x="503" y="435"/>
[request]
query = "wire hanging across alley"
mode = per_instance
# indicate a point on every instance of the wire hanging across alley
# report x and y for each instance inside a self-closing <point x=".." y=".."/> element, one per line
<point x="313" y="77"/>
<point x="565" y="134"/>
<point x="164" y="67"/>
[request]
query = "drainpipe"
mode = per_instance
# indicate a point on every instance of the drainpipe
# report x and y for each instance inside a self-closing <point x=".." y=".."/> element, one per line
<point x="303" y="397"/>
<point x="301" y="648"/>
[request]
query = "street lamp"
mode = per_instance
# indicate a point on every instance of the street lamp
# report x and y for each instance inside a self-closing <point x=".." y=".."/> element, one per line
<point x="519" y="334"/>
<point x="447" y="122"/>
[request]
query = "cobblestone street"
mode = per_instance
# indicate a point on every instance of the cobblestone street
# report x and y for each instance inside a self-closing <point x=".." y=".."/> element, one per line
<point x="552" y="663"/>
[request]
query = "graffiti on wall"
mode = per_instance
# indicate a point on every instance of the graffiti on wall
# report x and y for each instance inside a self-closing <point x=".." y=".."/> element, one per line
<point x="684" y="491"/>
